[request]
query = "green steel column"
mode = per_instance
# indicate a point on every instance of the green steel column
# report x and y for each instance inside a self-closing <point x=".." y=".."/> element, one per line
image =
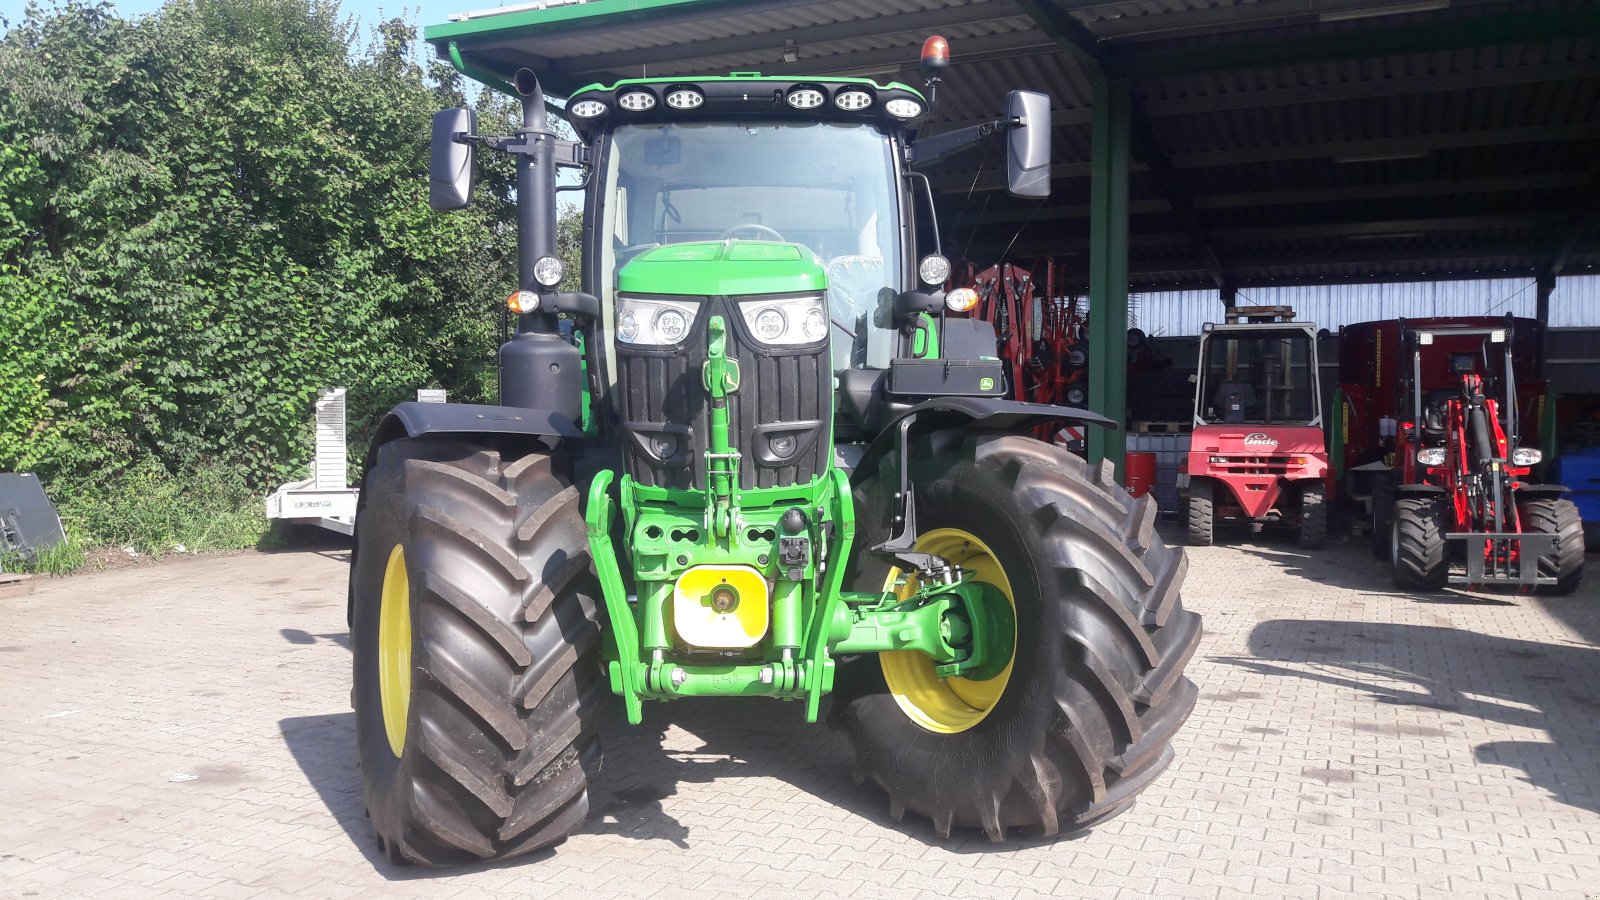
<point x="1108" y="268"/>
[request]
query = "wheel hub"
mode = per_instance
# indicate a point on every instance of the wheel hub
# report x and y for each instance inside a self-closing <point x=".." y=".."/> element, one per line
<point x="949" y="705"/>
<point x="394" y="649"/>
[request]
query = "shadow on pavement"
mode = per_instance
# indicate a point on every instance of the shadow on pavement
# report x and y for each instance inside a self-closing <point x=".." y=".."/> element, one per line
<point x="1550" y="687"/>
<point x="740" y="738"/>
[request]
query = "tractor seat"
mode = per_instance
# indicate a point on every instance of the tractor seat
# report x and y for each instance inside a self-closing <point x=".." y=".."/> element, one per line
<point x="1433" y="412"/>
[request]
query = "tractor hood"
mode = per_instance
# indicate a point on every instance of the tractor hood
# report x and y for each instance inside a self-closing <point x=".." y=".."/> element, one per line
<point x="730" y="268"/>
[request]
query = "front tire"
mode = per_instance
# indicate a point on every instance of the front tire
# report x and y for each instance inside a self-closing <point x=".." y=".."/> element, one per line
<point x="475" y="641"/>
<point x="1416" y="545"/>
<point x="1086" y="711"/>
<point x="1383" y="498"/>
<point x="1200" y="513"/>
<point x="1560" y="517"/>
<point x="1313" y="516"/>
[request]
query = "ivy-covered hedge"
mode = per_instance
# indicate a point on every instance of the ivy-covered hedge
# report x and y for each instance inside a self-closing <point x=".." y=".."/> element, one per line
<point x="210" y="212"/>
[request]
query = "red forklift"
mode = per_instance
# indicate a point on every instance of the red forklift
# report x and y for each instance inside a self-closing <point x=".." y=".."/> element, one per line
<point x="1257" y="454"/>
<point x="1441" y="417"/>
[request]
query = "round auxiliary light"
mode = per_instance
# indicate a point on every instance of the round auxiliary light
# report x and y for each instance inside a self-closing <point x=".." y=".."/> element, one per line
<point x="522" y="302"/>
<point x="586" y="109"/>
<point x="548" y="271"/>
<point x="684" y="98"/>
<point x="770" y="324"/>
<point x="961" y="299"/>
<point x="671" y="324"/>
<point x="637" y="101"/>
<point x="805" y="98"/>
<point x="852" y="101"/>
<point x="1526" y="456"/>
<point x="628" y="327"/>
<point x="815" y="327"/>
<point x="903" y="108"/>
<point x="933" y="269"/>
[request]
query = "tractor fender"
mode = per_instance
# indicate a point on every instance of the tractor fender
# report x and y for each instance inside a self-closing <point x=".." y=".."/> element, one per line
<point x="1542" y="490"/>
<point x="1405" y="489"/>
<point x="412" y="419"/>
<point x="983" y="413"/>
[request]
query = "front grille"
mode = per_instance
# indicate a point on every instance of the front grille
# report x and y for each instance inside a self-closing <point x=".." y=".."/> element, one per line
<point x="783" y="393"/>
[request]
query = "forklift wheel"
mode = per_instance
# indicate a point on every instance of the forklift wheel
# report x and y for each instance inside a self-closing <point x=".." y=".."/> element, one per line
<point x="476" y="653"/>
<point x="1201" y="512"/>
<point x="1313" y="516"/>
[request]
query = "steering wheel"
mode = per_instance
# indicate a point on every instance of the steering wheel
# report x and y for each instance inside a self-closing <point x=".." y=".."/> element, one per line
<point x="751" y="226"/>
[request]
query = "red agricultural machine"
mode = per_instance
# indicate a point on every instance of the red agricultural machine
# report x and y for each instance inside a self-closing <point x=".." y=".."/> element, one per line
<point x="1440" y="420"/>
<point x="1257" y="455"/>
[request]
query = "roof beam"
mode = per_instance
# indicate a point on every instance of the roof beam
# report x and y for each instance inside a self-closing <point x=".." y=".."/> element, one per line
<point x="913" y="27"/>
<point x="1581" y="223"/>
<point x="1389" y="146"/>
<point x="1190" y="23"/>
<point x="1443" y="188"/>
<point x="1357" y="42"/>
<point x="1067" y="32"/>
<point x="1171" y="187"/>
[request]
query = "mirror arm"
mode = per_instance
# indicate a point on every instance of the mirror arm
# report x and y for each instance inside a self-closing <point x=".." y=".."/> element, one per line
<point x="929" y="150"/>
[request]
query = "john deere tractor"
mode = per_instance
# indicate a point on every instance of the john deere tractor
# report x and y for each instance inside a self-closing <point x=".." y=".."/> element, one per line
<point x="750" y="456"/>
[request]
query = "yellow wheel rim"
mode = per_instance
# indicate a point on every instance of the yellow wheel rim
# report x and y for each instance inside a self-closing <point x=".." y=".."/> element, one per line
<point x="394" y="649"/>
<point x="947" y="705"/>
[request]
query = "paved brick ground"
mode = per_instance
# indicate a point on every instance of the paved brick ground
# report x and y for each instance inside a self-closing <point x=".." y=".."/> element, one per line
<point x="184" y="731"/>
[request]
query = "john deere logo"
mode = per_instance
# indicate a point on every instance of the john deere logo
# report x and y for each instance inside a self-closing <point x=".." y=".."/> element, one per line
<point x="1258" y="439"/>
<point x="985" y="384"/>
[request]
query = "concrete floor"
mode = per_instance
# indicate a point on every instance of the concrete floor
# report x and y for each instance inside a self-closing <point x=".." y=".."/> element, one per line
<point x="184" y="731"/>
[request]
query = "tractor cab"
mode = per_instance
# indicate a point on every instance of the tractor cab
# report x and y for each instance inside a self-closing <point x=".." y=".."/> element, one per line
<point x="1256" y="455"/>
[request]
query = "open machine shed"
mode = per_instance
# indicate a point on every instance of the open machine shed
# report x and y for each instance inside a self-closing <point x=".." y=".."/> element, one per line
<point x="1217" y="144"/>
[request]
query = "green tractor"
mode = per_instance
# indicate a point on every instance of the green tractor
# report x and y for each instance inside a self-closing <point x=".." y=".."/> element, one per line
<point x="752" y="457"/>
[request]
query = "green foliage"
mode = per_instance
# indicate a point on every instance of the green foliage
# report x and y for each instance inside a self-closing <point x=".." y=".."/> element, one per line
<point x="208" y="213"/>
<point x="59" y="559"/>
<point x="146" y="508"/>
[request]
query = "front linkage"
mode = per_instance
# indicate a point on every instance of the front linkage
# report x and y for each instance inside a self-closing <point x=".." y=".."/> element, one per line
<point x="710" y="556"/>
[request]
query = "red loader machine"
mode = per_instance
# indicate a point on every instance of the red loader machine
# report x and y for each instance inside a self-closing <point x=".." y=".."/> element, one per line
<point x="1257" y="454"/>
<point x="1437" y="408"/>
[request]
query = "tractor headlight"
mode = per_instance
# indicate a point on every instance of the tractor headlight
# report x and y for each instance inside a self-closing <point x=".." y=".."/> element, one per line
<point x="853" y="100"/>
<point x="1430" y="456"/>
<point x="786" y="321"/>
<point x="654" y="323"/>
<point x="548" y="271"/>
<point x="586" y="109"/>
<point x="1526" y="456"/>
<point x="637" y="101"/>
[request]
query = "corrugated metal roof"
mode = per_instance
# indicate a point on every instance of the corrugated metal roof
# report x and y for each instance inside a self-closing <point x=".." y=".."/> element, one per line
<point x="1477" y="154"/>
<point x="1575" y="304"/>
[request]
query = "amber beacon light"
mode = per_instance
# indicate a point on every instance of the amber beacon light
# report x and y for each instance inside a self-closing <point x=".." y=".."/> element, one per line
<point x="935" y="55"/>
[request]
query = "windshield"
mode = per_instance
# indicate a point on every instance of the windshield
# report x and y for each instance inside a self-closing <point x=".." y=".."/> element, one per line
<point x="1260" y="377"/>
<point x="826" y="186"/>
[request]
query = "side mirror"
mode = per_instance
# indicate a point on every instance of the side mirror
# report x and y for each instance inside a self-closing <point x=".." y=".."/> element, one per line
<point x="1028" y="144"/>
<point x="451" y="173"/>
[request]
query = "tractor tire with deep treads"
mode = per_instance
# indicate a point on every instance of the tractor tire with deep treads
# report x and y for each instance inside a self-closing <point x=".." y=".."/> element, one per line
<point x="1560" y="517"/>
<point x="1200" y="513"/>
<point x="1383" y="495"/>
<point x="1096" y="688"/>
<point x="486" y="560"/>
<point x="1416" y="544"/>
<point x="1313" y="516"/>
